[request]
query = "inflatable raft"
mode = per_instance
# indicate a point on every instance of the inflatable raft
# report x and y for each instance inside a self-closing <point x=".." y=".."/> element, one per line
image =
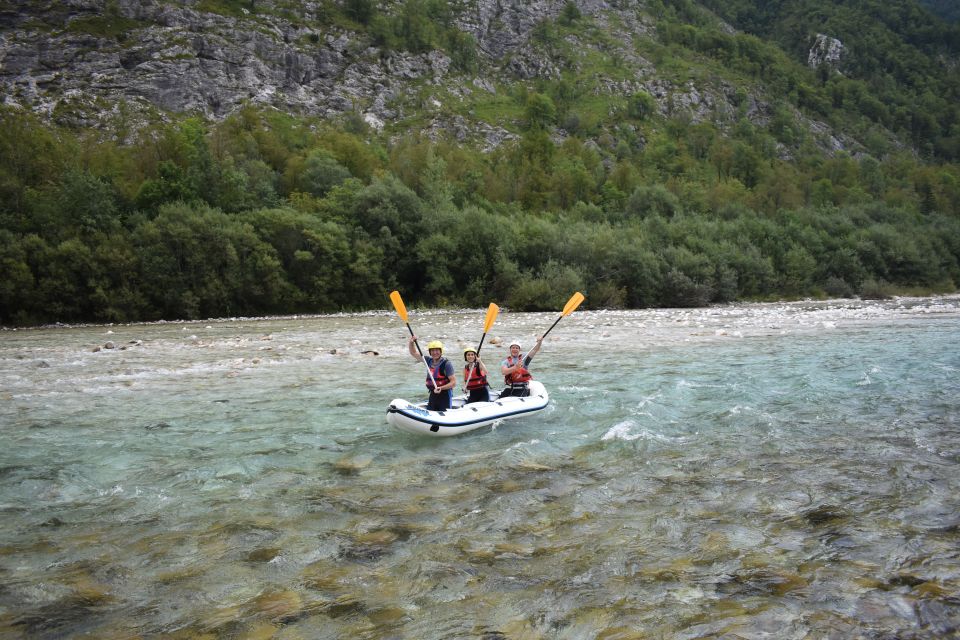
<point x="460" y="418"/>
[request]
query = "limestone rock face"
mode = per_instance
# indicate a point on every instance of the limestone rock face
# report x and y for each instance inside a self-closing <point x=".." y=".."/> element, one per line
<point x="86" y="62"/>
<point x="174" y="58"/>
<point x="825" y="50"/>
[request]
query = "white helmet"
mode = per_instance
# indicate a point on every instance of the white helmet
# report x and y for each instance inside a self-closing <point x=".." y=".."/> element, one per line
<point x="515" y="342"/>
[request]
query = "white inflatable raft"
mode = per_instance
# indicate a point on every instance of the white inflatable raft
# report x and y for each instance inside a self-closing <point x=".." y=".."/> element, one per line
<point x="460" y="418"/>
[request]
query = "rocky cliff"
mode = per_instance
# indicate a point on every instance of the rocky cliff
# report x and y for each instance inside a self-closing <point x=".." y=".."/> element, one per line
<point x="87" y="61"/>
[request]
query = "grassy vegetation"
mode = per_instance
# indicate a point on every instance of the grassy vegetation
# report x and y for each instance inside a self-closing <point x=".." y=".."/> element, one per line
<point x="105" y="26"/>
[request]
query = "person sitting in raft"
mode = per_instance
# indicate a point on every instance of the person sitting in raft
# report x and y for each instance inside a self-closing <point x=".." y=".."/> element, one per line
<point x="443" y="376"/>
<point x="475" y="377"/>
<point x="514" y="370"/>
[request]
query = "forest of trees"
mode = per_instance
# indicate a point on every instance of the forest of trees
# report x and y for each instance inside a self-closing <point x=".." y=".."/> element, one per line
<point x="268" y="214"/>
<point x="272" y="213"/>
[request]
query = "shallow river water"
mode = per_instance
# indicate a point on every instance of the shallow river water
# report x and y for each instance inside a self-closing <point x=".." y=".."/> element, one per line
<point x="749" y="471"/>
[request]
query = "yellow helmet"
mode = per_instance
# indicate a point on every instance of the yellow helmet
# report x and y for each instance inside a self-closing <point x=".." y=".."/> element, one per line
<point x="469" y="350"/>
<point x="435" y="344"/>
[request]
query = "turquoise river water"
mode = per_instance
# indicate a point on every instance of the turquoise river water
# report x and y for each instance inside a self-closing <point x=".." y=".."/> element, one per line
<point x="749" y="471"/>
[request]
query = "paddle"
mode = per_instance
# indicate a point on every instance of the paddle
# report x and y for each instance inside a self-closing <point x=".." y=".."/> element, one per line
<point x="571" y="305"/>
<point x="402" y="312"/>
<point x="492" y="312"/>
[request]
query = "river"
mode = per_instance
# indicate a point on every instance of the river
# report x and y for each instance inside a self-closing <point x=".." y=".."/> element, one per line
<point x="782" y="470"/>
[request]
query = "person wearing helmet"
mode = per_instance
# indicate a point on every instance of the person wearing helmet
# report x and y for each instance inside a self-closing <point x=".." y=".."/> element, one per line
<point x="442" y="377"/>
<point x="514" y="369"/>
<point x="475" y="377"/>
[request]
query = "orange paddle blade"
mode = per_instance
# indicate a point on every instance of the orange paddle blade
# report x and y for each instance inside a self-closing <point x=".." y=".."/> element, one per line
<point x="573" y="303"/>
<point x="492" y="312"/>
<point x="398" y="305"/>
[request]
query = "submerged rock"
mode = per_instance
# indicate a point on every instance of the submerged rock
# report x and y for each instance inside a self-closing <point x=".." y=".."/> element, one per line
<point x="281" y="606"/>
<point x="324" y="575"/>
<point x="266" y="554"/>
<point x="350" y="466"/>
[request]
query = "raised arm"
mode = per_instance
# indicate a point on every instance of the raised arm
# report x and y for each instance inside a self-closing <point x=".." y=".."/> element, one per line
<point x="534" y="351"/>
<point x="412" y="348"/>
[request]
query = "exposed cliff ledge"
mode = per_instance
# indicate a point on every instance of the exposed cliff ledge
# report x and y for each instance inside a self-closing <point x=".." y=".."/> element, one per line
<point x="86" y="61"/>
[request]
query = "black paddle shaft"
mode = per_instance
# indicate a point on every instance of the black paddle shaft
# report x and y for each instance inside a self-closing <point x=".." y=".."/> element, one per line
<point x="526" y="361"/>
<point x="482" y="338"/>
<point x="416" y="342"/>
<point x="552" y="326"/>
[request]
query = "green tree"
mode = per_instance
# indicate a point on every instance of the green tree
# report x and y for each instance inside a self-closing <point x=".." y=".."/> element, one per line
<point x="321" y="172"/>
<point x="202" y="263"/>
<point x="541" y="113"/>
<point x="360" y="10"/>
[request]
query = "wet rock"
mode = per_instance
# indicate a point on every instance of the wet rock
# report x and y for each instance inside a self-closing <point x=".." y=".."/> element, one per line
<point x="222" y="618"/>
<point x="57" y="619"/>
<point x="904" y="580"/>
<point x="764" y="582"/>
<point x="379" y="537"/>
<point x="370" y="353"/>
<point x="266" y="554"/>
<point x="363" y="553"/>
<point x="109" y="345"/>
<point x="260" y="631"/>
<point x="157" y="426"/>
<point x="43" y="364"/>
<point x="53" y="522"/>
<point x="387" y="617"/>
<point x="825" y="514"/>
<point x="179" y="575"/>
<point x="939" y="618"/>
<point x="324" y="576"/>
<point x="509" y="550"/>
<point x="235" y="472"/>
<point x="352" y="466"/>
<point x="282" y="606"/>
<point x="931" y="590"/>
<point x="477" y="554"/>
<point x="343" y="605"/>
<point x="672" y="572"/>
<point x="527" y="465"/>
<point x="505" y="486"/>
<point x="621" y="633"/>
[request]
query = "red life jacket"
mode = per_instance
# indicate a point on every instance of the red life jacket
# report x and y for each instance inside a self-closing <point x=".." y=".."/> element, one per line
<point x="520" y="375"/>
<point x="477" y="380"/>
<point x="439" y="372"/>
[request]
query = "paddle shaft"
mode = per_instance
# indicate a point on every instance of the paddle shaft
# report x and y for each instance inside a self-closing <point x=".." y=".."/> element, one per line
<point x="572" y="304"/>
<point x="528" y="358"/>
<point x="401" y="308"/>
<point x="476" y="364"/>
<point x="492" y="312"/>
<point x="423" y="357"/>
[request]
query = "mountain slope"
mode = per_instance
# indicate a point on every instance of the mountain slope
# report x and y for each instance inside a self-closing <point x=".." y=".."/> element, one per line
<point x="457" y="68"/>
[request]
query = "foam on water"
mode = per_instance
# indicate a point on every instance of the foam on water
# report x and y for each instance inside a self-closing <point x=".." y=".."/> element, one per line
<point x="774" y="470"/>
